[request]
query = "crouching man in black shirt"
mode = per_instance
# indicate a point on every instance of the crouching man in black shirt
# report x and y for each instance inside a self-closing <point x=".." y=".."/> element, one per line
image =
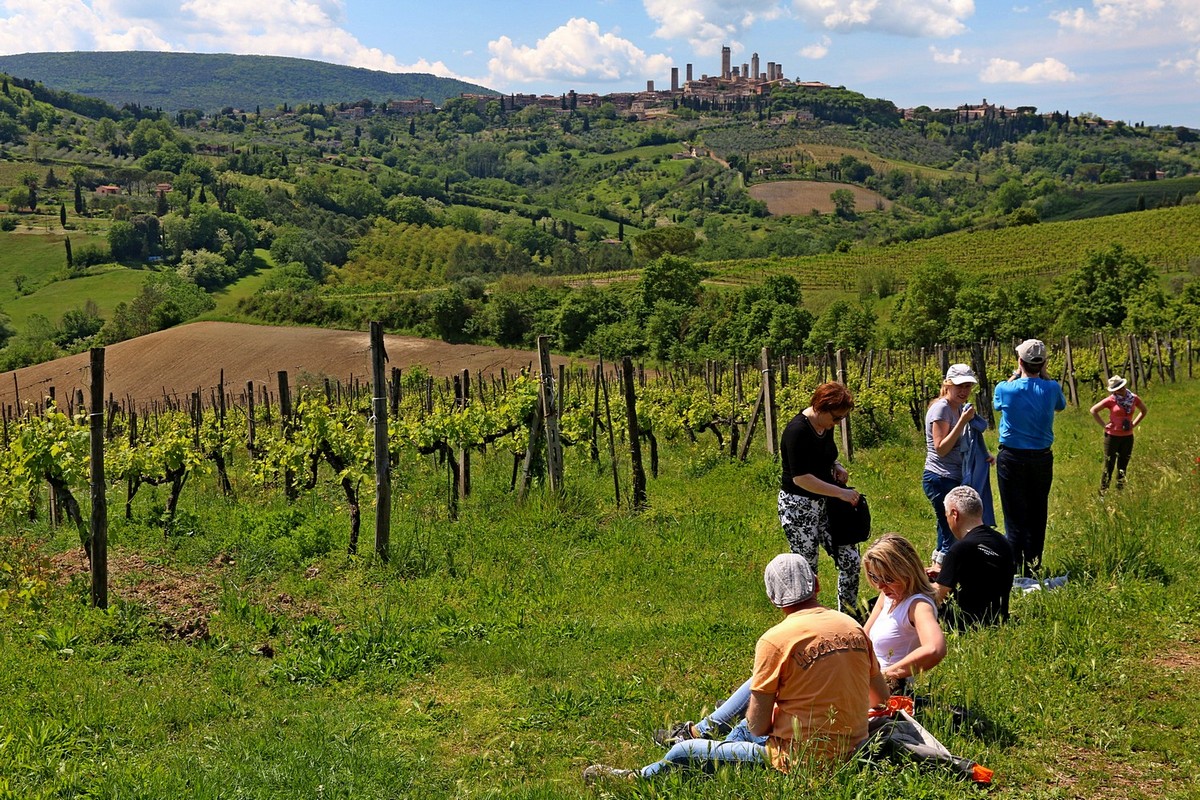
<point x="978" y="569"/>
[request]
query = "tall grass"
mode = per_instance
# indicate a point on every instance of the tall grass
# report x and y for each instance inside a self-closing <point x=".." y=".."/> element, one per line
<point x="496" y="655"/>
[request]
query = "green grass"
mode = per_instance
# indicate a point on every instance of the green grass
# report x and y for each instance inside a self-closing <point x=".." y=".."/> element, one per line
<point x="228" y="297"/>
<point x="105" y="290"/>
<point x="496" y="655"/>
<point x="36" y="258"/>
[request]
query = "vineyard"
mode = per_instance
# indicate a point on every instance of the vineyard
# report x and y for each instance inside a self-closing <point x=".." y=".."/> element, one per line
<point x="333" y="433"/>
<point x="543" y="601"/>
<point x="1040" y="252"/>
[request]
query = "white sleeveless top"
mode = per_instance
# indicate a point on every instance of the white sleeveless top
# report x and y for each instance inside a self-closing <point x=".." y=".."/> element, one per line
<point x="893" y="636"/>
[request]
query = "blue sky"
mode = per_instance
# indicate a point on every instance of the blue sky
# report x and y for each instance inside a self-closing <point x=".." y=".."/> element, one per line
<point x="1133" y="60"/>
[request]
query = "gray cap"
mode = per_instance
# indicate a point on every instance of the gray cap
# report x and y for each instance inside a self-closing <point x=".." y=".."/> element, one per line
<point x="789" y="580"/>
<point x="959" y="374"/>
<point x="1032" y="351"/>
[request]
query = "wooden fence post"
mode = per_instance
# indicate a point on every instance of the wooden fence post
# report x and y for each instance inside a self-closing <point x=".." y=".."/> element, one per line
<point x="770" y="420"/>
<point x="554" y="454"/>
<point x="1104" y="358"/>
<point x="1069" y="372"/>
<point x="612" y="444"/>
<point x="638" y="500"/>
<point x="464" y="455"/>
<point x="99" y="521"/>
<point x="983" y="395"/>
<point x="847" y="445"/>
<point x="383" y="467"/>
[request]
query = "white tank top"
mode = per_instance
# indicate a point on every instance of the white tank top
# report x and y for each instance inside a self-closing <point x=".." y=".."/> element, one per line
<point x="893" y="636"/>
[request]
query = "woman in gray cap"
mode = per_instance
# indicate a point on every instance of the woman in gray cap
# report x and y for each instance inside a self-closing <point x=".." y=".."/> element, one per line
<point x="1118" y="430"/>
<point x="951" y="430"/>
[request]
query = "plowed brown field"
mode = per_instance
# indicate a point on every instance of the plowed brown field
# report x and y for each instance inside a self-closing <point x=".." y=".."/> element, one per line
<point x="181" y="360"/>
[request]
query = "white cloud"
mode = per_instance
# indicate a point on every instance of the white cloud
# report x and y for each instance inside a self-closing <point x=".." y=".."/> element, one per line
<point x="939" y="18"/>
<point x="818" y="50"/>
<point x="1048" y="70"/>
<point x="575" y="51"/>
<point x="298" y="28"/>
<point x="953" y="57"/>
<point x="1109" y="16"/>
<point x="1185" y="66"/>
<point x="709" y="24"/>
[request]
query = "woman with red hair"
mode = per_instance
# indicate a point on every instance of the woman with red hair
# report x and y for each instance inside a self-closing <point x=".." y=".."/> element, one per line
<point x="811" y="473"/>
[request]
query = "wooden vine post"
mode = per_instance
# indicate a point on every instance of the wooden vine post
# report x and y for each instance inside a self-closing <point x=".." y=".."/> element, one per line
<point x="99" y="526"/>
<point x="840" y="377"/>
<point x="1069" y="373"/>
<point x="1105" y="372"/>
<point x="383" y="479"/>
<point x="554" y="454"/>
<point x="770" y="421"/>
<point x="463" y="475"/>
<point x="983" y="395"/>
<point x="638" y="500"/>
<point x="612" y="445"/>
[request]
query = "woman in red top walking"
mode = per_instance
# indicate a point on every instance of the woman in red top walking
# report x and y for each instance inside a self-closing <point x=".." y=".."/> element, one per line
<point x="1118" y="431"/>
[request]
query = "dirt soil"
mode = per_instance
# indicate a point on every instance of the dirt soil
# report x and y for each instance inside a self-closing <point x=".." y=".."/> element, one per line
<point x="803" y="197"/>
<point x="181" y="360"/>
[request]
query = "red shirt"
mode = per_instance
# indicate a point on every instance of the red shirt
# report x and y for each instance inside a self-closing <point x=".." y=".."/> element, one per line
<point x="1120" y="422"/>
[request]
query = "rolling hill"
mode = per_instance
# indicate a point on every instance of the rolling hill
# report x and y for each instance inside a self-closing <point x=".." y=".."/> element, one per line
<point x="210" y="81"/>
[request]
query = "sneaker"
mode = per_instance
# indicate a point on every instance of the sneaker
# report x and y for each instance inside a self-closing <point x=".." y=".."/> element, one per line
<point x="603" y="772"/>
<point x="679" y="732"/>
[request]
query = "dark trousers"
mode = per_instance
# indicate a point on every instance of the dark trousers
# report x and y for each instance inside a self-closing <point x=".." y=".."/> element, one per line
<point x="1024" y="478"/>
<point x="1117" y="450"/>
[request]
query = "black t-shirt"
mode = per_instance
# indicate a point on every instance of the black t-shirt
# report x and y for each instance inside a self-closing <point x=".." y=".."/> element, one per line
<point x="803" y="452"/>
<point x="979" y="569"/>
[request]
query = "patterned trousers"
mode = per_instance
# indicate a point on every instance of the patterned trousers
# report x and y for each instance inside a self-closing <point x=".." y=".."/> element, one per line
<point x="805" y="525"/>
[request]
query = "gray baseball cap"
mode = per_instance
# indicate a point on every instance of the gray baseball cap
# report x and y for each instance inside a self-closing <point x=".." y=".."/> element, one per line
<point x="1032" y="351"/>
<point x="789" y="580"/>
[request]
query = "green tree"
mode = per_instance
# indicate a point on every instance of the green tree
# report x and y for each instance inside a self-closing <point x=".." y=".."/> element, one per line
<point x="30" y="181"/>
<point x="666" y="240"/>
<point x="843" y="202"/>
<point x="670" y="278"/>
<point x="847" y="326"/>
<point x="924" y="307"/>
<point x="1095" y="295"/>
<point x="124" y="241"/>
<point x="449" y="312"/>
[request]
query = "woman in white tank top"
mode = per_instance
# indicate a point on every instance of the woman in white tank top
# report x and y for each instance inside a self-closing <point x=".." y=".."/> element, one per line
<point x="903" y="626"/>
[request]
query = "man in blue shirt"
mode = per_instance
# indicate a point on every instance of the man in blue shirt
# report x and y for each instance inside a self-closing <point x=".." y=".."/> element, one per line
<point x="1028" y="402"/>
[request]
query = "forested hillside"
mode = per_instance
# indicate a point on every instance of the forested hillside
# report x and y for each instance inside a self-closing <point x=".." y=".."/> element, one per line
<point x="618" y="227"/>
<point x="210" y="81"/>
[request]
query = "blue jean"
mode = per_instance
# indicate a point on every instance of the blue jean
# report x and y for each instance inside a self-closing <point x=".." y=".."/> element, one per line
<point x="936" y="488"/>
<point x="725" y="717"/>
<point x="1025" y="477"/>
<point x="739" y="747"/>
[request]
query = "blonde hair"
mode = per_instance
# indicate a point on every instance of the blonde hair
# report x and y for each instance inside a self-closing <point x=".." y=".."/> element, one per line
<point x="892" y="556"/>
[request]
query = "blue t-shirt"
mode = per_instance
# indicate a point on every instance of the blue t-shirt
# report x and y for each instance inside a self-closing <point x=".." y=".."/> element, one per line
<point x="1028" y="406"/>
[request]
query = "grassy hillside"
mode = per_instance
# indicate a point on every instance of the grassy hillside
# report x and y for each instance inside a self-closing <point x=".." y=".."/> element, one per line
<point x="210" y="81"/>
<point x="51" y="301"/>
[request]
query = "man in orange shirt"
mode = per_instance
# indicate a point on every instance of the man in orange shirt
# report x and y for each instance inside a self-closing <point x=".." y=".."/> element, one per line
<point x="815" y="677"/>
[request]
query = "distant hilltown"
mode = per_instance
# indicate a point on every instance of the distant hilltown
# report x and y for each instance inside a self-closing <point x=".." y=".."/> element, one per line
<point x="734" y="88"/>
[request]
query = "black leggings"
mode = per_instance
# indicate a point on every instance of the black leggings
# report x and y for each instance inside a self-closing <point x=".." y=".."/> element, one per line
<point x="1117" y="450"/>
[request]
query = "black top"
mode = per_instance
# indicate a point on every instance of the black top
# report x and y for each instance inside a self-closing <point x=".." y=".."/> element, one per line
<point x="804" y="452"/>
<point x="979" y="568"/>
